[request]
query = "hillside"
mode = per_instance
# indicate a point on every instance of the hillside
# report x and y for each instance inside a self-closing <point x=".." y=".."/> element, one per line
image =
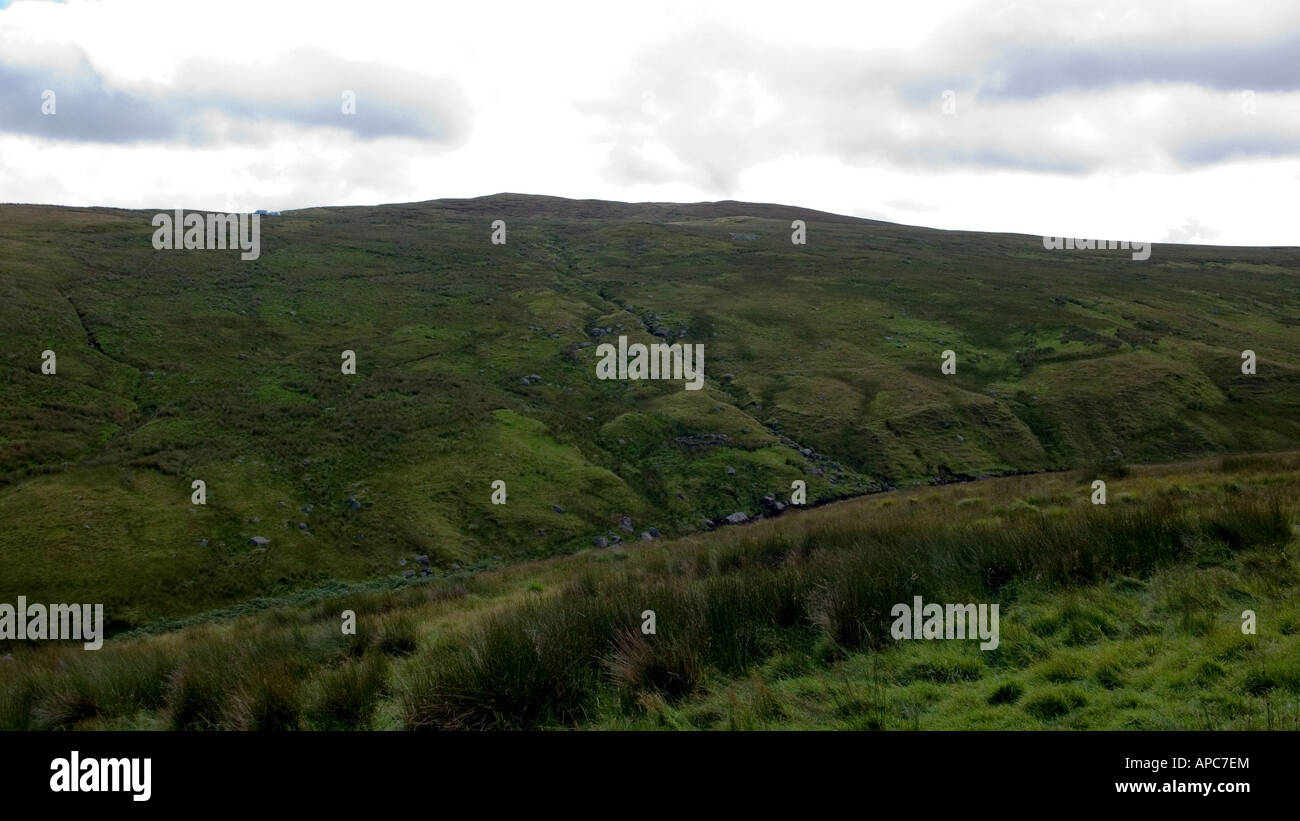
<point x="822" y="364"/>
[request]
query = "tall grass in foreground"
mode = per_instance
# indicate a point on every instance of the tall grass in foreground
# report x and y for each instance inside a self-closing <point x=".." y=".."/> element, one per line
<point x="828" y="588"/>
<point x="788" y="595"/>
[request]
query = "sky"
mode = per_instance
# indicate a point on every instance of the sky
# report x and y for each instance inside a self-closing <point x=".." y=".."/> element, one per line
<point x="1164" y="121"/>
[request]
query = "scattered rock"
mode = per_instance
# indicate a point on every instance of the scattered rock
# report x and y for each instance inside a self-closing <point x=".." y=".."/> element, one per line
<point x="654" y="533"/>
<point x="203" y="542"/>
<point x="408" y="574"/>
<point x="557" y="508"/>
<point x="731" y="471"/>
<point x="626" y="524"/>
<point x="401" y="562"/>
<point x="600" y="541"/>
<point x="353" y="503"/>
<point x="302" y="525"/>
<point x="423" y="560"/>
<point x="259" y="541"/>
<point x="736" y="518"/>
<point x="646" y="537"/>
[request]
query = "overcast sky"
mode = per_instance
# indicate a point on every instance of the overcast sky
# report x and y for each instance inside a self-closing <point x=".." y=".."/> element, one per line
<point x="1169" y="121"/>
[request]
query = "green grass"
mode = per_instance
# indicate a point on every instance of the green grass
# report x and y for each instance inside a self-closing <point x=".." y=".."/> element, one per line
<point x="1117" y="616"/>
<point x="203" y="366"/>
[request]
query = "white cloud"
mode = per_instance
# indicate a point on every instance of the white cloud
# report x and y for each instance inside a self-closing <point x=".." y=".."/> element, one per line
<point x="1124" y="120"/>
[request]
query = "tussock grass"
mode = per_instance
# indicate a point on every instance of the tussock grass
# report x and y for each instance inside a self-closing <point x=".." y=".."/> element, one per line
<point x="1116" y="616"/>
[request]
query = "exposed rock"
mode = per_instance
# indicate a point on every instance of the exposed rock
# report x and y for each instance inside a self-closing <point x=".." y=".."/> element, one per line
<point x="646" y="537"/>
<point x="736" y="518"/>
<point x="408" y="574"/>
<point x="654" y="532"/>
<point x="600" y="541"/>
<point x="945" y="476"/>
<point x="259" y="541"/>
<point x="423" y="560"/>
<point x="626" y="524"/>
<point x="353" y="503"/>
<point x="557" y="508"/>
<point x="773" y="504"/>
<point x="700" y="440"/>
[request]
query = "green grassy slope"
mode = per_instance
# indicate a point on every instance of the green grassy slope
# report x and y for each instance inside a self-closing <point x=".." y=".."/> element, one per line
<point x="822" y="364"/>
<point x="1122" y="616"/>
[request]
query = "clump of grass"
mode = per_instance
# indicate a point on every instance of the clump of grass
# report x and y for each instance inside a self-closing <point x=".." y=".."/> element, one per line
<point x="638" y="663"/>
<point x="1006" y="693"/>
<point x="1050" y="704"/>
<point x="196" y="691"/>
<point x="945" y="670"/>
<point x="396" y="635"/>
<point x="344" y="698"/>
<point x="267" y="698"/>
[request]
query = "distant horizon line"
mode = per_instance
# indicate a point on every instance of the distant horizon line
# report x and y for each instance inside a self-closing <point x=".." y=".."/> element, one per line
<point x="499" y="194"/>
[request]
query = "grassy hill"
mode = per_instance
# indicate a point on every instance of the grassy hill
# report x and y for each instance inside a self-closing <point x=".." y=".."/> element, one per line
<point x="822" y="364"/>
